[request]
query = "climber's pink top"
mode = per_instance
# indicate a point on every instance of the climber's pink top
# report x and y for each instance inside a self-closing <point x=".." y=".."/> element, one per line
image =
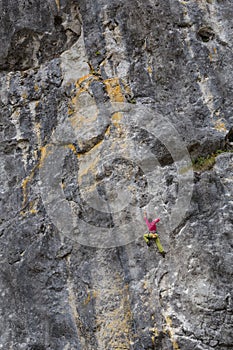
<point x="151" y="225"/>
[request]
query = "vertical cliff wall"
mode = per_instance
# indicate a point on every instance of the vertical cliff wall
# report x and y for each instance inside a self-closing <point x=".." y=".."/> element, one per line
<point x="106" y="106"/>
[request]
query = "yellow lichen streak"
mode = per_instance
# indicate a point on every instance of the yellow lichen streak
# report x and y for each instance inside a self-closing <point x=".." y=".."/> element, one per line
<point x="24" y="189"/>
<point x="36" y="87"/>
<point x="24" y="95"/>
<point x="58" y="4"/>
<point x="169" y="330"/>
<point x="113" y="89"/>
<point x="220" y="125"/>
<point x="43" y="154"/>
<point x="116" y="119"/>
<point x="155" y="332"/>
<point x="116" y="324"/>
<point x="72" y="148"/>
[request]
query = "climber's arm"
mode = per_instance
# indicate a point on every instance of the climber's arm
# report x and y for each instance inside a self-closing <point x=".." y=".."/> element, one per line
<point x="147" y="221"/>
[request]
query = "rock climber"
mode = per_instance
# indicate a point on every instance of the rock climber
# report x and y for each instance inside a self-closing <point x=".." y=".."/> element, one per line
<point x="153" y="235"/>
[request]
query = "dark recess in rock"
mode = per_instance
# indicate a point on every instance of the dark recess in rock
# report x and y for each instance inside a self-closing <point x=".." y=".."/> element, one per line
<point x="206" y="34"/>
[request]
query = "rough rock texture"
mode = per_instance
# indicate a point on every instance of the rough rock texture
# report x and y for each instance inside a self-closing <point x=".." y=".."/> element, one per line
<point x="77" y="79"/>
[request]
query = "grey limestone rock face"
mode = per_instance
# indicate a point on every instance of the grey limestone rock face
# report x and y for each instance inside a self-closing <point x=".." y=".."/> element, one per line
<point x="33" y="32"/>
<point x="105" y="106"/>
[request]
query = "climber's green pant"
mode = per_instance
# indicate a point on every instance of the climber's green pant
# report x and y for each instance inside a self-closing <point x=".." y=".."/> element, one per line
<point x="148" y="236"/>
